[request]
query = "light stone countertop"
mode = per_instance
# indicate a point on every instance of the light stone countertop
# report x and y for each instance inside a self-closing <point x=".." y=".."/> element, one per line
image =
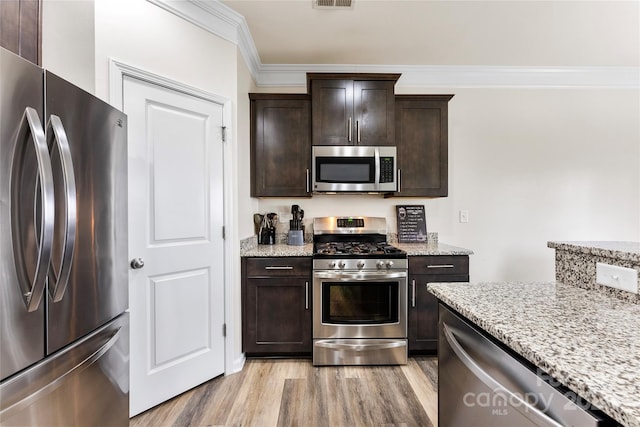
<point x="278" y="250"/>
<point x="432" y="248"/>
<point x="586" y="340"/>
<point x="413" y="249"/>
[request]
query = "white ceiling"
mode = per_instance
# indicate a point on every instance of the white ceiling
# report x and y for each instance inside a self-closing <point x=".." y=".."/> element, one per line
<point x="449" y="32"/>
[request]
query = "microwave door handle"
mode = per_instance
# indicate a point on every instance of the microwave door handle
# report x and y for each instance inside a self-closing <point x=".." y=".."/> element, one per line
<point x="59" y="275"/>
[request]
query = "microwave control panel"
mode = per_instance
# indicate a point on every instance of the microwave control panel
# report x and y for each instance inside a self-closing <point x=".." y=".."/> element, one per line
<point x="387" y="171"/>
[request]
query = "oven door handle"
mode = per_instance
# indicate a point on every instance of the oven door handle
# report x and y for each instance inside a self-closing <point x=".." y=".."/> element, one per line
<point x="360" y="346"/>
<point x="361" y="276"/>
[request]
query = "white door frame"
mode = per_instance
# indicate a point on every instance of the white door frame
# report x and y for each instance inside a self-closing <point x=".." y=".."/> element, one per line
<point x="117" y="71"/>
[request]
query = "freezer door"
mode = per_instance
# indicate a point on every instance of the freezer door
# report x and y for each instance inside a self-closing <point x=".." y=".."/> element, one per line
<point x="86" y="384"/>
<point x="21" y="330"/>
<point x="88" y="279"/>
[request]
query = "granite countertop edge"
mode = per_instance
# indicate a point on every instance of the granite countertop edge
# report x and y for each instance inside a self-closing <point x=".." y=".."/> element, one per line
<point x="412" y="249"/>
<point x="615" y="394"/>
<point x="626" y="251"/>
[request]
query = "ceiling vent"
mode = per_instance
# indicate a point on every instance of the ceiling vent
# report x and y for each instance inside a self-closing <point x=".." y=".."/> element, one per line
<point x="332" y="4"/>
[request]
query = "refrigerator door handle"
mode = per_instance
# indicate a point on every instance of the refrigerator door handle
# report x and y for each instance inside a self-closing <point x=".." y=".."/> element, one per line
<point x="32" y="289"/>
<point x="73" y="362"/>
<point x="59" y="274"/>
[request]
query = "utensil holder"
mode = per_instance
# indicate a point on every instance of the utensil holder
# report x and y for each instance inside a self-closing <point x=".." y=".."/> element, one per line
<point x="267" y="236"/>
<point x="295" y="238"/>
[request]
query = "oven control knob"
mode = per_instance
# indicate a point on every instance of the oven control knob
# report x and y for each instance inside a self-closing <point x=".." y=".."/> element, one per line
<point x="341" y="264"/>
<point x="389" y="264"/>
<point x="360" y="264"/>
<point x="332" y="264"/>
<point x="380" y="265"/>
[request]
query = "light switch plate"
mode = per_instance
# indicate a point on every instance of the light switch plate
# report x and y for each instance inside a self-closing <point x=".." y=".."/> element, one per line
<point x="617" y="277"/>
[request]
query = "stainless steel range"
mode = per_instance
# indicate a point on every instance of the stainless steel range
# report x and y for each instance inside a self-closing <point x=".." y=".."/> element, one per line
<point x="359" y="293"/>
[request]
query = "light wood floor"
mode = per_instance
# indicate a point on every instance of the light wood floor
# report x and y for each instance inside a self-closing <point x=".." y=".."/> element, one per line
<point x="291" y="392"/>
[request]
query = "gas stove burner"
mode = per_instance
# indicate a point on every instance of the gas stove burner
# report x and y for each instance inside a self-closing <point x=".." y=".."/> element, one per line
<point x="353" y="238"/>
<point x="357" y="249"/>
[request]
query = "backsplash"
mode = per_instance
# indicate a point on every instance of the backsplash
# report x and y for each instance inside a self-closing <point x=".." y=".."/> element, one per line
<point x="281" y="238"/>
<point x="576" y="264"/>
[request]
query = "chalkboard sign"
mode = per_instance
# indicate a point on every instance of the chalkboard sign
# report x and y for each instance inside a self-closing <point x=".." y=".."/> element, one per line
<point x="412" y="225"/>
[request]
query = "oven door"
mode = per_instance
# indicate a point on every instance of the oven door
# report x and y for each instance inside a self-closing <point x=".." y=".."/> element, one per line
<point x="359" y="304"/>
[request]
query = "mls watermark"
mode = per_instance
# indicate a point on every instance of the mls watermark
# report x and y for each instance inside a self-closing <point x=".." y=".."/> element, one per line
<point x="500" y="400"/>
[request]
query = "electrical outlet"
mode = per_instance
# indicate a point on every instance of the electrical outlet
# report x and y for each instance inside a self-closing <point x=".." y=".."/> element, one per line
<point x="464" y="215"/>
<point x="617" y="277"/>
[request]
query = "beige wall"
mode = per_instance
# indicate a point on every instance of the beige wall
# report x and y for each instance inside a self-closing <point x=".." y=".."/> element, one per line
<point x="245" y="205"/>
<point x="143" y="35"/>
<point x="79" y="38"/>
<point x="68" y="42"/>
<point x="530" y="165"/>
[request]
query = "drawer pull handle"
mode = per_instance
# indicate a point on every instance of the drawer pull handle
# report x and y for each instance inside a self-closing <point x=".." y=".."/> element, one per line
<point x="278" y="267"/>
<point x="440" y="266"/>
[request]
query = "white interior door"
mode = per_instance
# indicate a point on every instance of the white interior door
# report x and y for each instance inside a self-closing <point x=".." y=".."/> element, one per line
<point x="175" y="226"/>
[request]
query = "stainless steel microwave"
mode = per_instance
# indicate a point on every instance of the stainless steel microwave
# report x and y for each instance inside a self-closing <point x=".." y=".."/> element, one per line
<point x="354" y="169"/>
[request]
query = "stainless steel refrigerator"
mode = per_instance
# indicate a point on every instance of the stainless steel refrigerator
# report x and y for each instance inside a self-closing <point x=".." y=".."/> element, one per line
<point x="64" y="329"/>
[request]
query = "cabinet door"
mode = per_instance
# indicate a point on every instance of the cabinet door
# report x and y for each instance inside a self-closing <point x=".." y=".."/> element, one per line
<point x="20" y="27"/>
<point x="280" y="146"/>
<point x="374" y="112"/>
<point x="277" y="316"/>
<point x="332" y="112"/>
<point x="423" y="311"/>
<point x="422" y="143"/>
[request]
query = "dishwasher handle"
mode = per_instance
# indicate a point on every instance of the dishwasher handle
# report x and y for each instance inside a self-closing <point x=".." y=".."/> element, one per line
<point x="531" y="412"/>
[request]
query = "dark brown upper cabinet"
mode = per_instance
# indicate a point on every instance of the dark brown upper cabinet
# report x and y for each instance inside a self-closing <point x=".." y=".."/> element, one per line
<point x="20" y="28"/>
<point x="352" y="109"/>
<point x="280" y="145"/>
<point x="422" y="143"/>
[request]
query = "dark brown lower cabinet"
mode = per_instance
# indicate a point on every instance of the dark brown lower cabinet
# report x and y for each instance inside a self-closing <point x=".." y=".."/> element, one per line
<point x="423" y="306"/>
<point x="276" y="302"/>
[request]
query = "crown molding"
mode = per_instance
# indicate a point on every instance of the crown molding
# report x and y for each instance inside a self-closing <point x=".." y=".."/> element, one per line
<point x="219" y="19"/>
<point x="216" y="18"/>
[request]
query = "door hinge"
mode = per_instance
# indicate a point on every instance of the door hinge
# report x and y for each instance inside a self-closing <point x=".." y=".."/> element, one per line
<point x="224" y="134"/>
<point x="224" y="233"/>
<point x="224" y="329"/>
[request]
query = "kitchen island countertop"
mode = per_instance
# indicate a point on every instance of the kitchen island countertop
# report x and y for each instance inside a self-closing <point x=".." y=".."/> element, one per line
<point x="624" y="251"/>
<point x="586" y="340"/>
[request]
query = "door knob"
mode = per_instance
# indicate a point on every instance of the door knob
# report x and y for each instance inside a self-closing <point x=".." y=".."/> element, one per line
<point x="137" y="263"/>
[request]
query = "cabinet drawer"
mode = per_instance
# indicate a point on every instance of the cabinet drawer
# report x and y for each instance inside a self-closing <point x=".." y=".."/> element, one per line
<point x="280" y="266"/>
<point x="439" y="264"/>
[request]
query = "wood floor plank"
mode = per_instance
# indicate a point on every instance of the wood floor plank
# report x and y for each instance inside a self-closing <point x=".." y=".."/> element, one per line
<point x="294" y="393"/>
<point x="424" y="388"/>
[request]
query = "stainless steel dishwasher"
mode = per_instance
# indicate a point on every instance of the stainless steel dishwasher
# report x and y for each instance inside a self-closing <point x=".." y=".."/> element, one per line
<point x="482" y="384"/>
